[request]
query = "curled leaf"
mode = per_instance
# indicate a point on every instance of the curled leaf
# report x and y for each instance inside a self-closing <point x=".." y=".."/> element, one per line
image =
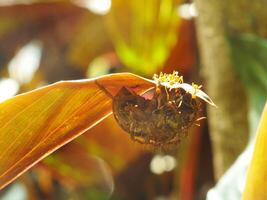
<point x="34" y="124"/>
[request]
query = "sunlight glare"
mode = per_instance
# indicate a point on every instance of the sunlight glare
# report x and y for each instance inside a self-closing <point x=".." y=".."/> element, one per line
<point x="170" y="163"/>
<point x="187" y="11"/>
<point x="100" y="7"/>
<point x="160" y="164"/>
<point x="8" y="88"/>
<point x="25" y="63"/>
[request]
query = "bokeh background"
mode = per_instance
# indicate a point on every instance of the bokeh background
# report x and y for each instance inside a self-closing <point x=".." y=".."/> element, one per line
<point x="44" y="41"/>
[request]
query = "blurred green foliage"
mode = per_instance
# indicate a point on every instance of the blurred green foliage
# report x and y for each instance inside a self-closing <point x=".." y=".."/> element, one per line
<point x="143" y="32"/>
<point x="249" y="53"/>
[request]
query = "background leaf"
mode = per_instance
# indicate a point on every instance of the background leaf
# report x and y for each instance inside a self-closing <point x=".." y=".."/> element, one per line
<point x="249" y="55"/>
<point x="35" y="124"/>
<point x="143" y="32"/>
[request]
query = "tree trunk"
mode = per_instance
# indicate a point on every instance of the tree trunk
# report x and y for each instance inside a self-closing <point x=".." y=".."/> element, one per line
<point x="228" y="123"/>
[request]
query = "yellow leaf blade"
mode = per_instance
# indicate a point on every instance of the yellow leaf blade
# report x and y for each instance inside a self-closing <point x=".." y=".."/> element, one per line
<point x="256" y="183"/>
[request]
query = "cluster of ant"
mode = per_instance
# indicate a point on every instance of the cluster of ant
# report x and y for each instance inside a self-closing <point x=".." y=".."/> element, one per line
<point x="165" y="118"/>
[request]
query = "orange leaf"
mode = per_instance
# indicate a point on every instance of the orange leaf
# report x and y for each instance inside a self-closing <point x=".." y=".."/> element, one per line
<point x="34" y="124"/>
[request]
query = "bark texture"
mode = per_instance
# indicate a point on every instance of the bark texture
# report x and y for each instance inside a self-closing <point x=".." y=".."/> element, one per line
<point x="228" y="123"/>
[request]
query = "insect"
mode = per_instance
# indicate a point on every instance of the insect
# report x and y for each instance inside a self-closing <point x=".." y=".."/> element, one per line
<point x="166" y="117"/>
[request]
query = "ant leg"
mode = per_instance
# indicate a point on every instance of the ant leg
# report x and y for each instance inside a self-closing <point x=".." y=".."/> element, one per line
<point x="101" y="87"/>
<point x="200" y="118"/>
<point x="167" y="94"/>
